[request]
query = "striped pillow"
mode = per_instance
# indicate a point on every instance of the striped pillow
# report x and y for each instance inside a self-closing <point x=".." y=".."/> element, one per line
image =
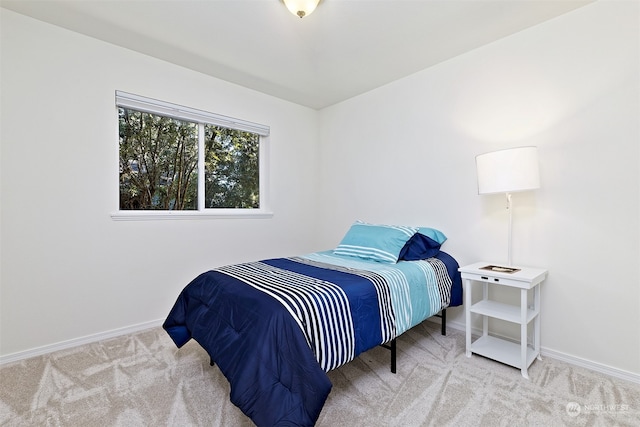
<point x="381" y="243"/>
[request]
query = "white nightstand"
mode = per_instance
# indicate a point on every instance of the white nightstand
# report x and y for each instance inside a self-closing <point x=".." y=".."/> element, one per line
<point x="519" y="355"/>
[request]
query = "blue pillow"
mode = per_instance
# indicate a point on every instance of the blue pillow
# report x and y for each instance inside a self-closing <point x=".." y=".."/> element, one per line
<point x="381" y="243"/>
<point x="433" y="234"/>
<point x="419" y="247"/>
<point x="424" y="244"/>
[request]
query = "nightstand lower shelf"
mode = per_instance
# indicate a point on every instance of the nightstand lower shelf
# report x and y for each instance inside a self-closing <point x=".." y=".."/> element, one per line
<point x="503" y="351"/>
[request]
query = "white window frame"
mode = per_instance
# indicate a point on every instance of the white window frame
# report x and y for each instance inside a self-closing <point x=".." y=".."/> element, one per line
<point x="153" y="106"/>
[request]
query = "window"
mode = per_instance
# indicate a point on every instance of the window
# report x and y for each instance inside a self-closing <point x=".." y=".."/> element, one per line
<point x="176" y="160"/>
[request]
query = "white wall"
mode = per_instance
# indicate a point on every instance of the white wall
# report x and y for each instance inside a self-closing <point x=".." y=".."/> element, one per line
<point x="68" y="270"/>
<point x="404" y="153"/>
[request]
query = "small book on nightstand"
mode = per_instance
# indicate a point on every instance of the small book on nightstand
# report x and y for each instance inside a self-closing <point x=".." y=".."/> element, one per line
<point x="500" y="269"/>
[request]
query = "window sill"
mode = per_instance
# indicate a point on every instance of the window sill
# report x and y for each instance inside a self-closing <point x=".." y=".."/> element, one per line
<point x="174" y="215"/>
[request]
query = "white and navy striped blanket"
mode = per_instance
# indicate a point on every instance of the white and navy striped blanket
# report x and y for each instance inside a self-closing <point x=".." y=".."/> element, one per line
<point x="405" y="293"/>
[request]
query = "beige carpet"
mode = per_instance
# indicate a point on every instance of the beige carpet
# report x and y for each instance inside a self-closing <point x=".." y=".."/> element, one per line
<point x="143" y="380"/>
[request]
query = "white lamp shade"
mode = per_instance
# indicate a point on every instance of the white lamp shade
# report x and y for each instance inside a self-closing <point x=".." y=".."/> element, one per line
<point x="301" y="8"/>
<point x="508" y="171"/>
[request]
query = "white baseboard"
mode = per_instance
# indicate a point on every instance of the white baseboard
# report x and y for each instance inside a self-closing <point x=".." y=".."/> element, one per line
<point x="38" y="351"/>
<point x="554" y="354"/>
<point x="588" y="364"/>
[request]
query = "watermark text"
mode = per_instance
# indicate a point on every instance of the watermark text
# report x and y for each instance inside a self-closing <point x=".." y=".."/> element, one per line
<point x="574" y="409"/>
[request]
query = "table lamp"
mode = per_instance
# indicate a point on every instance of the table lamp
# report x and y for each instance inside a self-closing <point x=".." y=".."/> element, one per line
<point x="508" y="171"/>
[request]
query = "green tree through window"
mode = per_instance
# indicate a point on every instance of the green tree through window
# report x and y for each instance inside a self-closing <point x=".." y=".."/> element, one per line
<point x="231" y="168"/>
<point x="159" y="164"/>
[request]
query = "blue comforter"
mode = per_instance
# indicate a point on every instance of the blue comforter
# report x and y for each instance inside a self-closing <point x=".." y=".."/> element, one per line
<point x="274" y="327"/>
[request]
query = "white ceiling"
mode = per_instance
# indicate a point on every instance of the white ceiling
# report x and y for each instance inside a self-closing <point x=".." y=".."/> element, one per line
<point x="345" y="48"/>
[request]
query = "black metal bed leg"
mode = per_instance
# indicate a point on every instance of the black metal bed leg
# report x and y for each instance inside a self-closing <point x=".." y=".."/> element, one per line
<point x="392" y="346"/>
<point x="393" y="356"/>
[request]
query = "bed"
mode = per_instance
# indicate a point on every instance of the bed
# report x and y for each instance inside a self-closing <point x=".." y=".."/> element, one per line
<point x="275" y="327"/>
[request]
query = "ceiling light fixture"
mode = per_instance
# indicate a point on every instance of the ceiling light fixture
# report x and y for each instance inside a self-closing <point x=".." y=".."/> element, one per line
<point x="301" y="8"/>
